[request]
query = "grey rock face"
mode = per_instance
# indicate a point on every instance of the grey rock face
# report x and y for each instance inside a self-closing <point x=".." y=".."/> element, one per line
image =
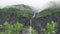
<point x="25" y="31"/>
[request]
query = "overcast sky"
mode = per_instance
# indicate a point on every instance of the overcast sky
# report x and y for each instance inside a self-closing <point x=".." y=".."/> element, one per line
<point x="34" y="3"/>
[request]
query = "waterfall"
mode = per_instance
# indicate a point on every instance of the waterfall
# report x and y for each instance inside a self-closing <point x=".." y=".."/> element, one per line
<point x="30" y="28"/>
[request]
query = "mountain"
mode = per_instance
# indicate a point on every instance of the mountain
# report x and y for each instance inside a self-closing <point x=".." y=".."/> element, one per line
<point x="21" y="9"/>
<point x="47" y="12"/>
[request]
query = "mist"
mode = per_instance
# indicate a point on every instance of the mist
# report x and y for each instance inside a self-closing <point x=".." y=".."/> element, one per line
<point x="38" y="5"/>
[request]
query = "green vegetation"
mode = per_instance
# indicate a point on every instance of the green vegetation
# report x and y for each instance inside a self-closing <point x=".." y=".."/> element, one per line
<point x="22" y="9"/>
<point x="51" y="28"/>
<point x="34" y="32"/>
<point x="26" y="11"/>
<point x="49" y="11"/>
<point x="16" y="28"/>
<point x="12" y="29"/>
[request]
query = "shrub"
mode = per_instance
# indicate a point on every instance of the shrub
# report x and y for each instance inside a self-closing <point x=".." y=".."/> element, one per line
<point x="17" y="27"/>
<point x="12" y="29"/>
<point x="34" y="32"/>
<point x="2" y="33"/>
<point x="51" y="28"/>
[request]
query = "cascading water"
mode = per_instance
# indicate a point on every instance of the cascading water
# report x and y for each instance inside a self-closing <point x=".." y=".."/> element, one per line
<point x="30" y="29"/>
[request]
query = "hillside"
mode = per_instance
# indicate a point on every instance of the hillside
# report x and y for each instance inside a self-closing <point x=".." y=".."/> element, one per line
<point x="47" y="12"/>
<point x="22" y="9"/>
<point x="23" y="13"/>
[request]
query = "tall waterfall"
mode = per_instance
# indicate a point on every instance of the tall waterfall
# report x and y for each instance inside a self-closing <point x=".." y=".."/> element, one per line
<point x="30" y="28"/>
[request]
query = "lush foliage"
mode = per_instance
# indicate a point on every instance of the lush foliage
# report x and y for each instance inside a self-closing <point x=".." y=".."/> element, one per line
<point x="23" y="10"/>
<point x="12" y="29"/>
<point x="51" y="28"/>
<point x="34" y="32"/>
<point x="49" y="11"/>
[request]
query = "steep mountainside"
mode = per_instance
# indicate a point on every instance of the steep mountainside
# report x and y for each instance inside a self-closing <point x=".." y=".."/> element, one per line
<point x="45" y="17"/>
<point x="22" y="9"/>
<point x="21" y="13"/>
<point x="48" y="11"/>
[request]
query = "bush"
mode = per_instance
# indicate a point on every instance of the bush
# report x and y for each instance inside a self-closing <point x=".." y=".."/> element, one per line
<point x="12" y="29"/>
<point x="34" y="32"/>
<point x="51" y="28"/>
